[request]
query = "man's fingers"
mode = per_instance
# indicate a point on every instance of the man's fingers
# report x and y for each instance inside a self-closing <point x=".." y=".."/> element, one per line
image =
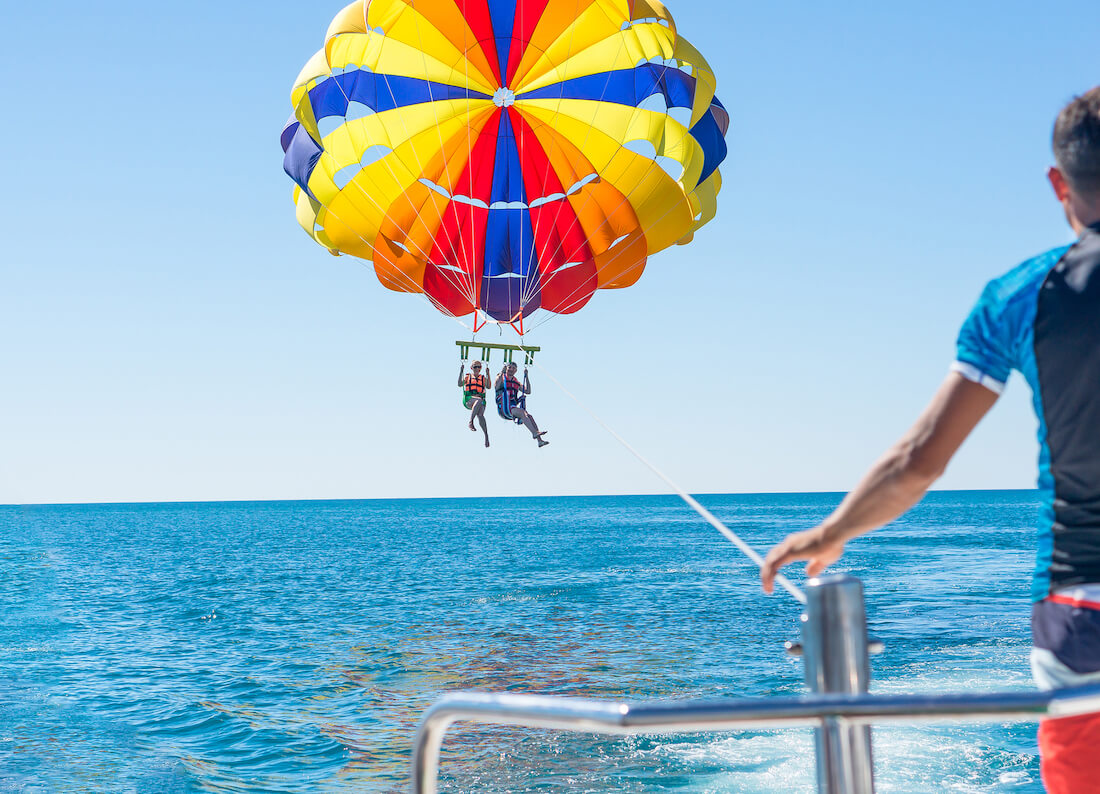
<point x="767" y="577"/>
<point x="815" y="567"/>
<point x="776" y="559"/>
<point x="822" y="560"/>
<point x="799" y="546"/>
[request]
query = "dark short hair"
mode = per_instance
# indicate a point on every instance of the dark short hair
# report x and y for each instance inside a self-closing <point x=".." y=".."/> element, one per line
<point x="1076" y="142"/>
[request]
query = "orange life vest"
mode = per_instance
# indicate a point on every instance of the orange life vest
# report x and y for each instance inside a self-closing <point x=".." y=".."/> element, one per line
<point x="474" y="385"/>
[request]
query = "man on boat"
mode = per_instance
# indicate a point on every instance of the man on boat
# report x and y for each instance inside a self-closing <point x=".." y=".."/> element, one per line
<point x="474" y="387"/>
<point x="1042" y="319"/>
<point x="512" y="400"/>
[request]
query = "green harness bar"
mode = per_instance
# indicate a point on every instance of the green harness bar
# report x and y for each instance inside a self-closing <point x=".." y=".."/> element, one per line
<point x="509" y="350"/>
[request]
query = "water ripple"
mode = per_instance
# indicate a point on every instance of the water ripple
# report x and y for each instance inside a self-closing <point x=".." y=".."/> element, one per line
<point x="292" y="646"/>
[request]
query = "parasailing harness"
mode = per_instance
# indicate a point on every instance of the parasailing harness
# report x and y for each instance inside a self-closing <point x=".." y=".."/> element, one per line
<point x="511" y="395"/>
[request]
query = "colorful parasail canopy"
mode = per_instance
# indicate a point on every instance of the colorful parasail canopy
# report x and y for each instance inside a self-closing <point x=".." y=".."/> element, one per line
<point x="504" y="156"/>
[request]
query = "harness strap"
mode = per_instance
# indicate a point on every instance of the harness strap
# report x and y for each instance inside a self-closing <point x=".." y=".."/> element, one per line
<point x="507" y="397"/>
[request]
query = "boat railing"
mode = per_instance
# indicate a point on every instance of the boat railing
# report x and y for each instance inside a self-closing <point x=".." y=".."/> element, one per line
<point x="835" y="651"/>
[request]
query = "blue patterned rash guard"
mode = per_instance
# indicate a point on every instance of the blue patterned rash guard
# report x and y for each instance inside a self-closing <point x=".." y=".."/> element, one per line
<point x="1043" y="320"/>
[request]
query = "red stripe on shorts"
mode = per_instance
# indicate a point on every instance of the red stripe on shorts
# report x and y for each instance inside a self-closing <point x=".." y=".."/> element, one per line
<point x="1081" y="603"/>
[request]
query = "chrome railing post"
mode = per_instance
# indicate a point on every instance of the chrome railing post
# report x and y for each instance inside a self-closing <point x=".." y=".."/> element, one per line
<point x="834" y="650"/>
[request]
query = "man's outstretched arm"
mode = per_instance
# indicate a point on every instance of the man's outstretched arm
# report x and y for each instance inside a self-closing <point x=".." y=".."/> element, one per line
<point x="895" y="483"/>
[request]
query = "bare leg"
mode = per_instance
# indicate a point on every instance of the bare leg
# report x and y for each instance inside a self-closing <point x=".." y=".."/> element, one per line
<point x="479" y="412"/>
<point x="478" y="404"/>
<point x="529" y="423"/>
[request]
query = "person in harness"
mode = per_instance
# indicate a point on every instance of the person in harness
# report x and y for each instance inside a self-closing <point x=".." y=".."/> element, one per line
<point x="474" y="387"/>
<point x="512" y="401"/>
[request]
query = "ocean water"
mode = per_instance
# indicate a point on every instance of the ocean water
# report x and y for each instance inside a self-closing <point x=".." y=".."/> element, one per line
<point x="292" y="646"/>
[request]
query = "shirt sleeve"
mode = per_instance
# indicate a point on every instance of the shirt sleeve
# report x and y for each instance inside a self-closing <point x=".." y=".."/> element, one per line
<point x="985" y="353"/>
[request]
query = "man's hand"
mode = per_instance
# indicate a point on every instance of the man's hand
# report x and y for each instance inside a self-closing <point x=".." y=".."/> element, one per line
<point x="895" y="483"/>
<point x="812" y="545"/>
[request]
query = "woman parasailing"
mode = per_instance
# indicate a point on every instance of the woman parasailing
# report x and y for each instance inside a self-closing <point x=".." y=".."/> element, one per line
<point x="474" y="387"/>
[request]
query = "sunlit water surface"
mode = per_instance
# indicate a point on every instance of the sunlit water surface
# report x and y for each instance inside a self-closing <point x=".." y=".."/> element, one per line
<point x="292" y="646"/>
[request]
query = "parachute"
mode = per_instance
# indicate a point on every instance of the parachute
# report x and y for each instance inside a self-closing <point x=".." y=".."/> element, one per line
<point x="504" y="156"/>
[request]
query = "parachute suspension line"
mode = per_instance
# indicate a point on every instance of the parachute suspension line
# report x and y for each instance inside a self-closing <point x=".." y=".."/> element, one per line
<point x="369" y="197"/>
<point x="419" y="164"/>
<point x="527" y="136"/>
<point x="415" y="288"/>
<point x="674" y="206"/>
<point x="415" y="291"/>
<point x="707" y="516"/>
<point x="459" y="260"/>
<point x="469" y="152"/>
<point x="449" y="276"/>
<point x="465" y="286"/>
<point x="625" y="200"/>
<point x="477" y="327"/>
<point x="426" y="255"/>
<point x="468" y="286"/>
<point x="607" y="220"/>
<point x="581" y="147"/>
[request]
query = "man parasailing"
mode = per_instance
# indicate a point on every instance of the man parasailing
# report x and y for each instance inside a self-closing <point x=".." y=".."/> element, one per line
<point x="511" y="398"/>
<point x="474" y="387"/>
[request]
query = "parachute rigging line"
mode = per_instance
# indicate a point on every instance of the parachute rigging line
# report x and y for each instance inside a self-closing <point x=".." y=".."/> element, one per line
<point x="690" y="500"/>
<point x="707" y="516"/>
<point x="442" y="255"/>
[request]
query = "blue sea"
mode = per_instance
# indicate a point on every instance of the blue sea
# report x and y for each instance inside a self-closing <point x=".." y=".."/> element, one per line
<point x="292" y="646"/>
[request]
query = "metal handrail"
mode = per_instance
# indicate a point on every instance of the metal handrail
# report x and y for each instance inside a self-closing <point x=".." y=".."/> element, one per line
<point x="624" y="717"/>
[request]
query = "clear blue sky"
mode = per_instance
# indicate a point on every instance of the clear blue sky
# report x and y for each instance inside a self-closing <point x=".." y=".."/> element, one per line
<point x="169" y="333"/>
